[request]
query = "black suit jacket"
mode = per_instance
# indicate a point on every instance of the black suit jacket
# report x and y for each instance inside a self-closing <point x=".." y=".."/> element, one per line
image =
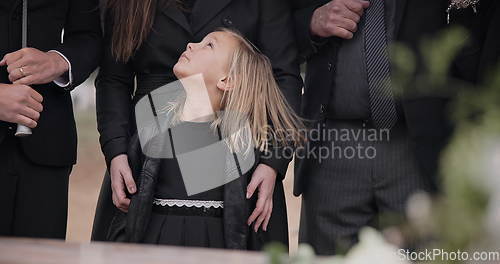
<point x="481" y="55"/>
<point x="54" y="141"/>
<point x="267" y="24"/>
<point x="426" y="116"/>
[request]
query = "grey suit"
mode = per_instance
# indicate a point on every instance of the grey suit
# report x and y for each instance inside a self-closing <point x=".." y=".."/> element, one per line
<point x="347" y="182"/>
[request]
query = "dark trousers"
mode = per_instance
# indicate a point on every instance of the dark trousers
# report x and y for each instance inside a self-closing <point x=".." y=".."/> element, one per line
<point x="344" y="192"/>
<point x="34" y="198"/>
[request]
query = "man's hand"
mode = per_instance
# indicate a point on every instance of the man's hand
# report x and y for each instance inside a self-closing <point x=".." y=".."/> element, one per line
<point x="121" y="178"/>
<point x="30" y="66"/>
<point x="263" y="178"/>
<point x="338" y="18"/>
<point x="20" y="104"/>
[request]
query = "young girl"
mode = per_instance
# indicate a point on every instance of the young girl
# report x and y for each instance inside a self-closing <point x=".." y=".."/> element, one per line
<point x="188" y="200"/>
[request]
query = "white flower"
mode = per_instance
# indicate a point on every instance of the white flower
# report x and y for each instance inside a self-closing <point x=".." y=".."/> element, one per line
<point x="493" y="166"/>
<point x="493" y="218"/>
<point x="419" y="212"/>
<point x="373" y="249"/>
<point x="305" y="255"/>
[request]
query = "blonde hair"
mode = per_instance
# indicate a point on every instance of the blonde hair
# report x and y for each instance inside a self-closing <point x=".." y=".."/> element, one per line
<point x="254" y="109"/>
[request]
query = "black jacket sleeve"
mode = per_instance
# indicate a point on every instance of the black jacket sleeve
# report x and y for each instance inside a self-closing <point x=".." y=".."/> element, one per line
<point x="114" y="89"/>
<point x="277" y="41"/>
<point x="303" y="11"/>
<point x="82" y="39"/>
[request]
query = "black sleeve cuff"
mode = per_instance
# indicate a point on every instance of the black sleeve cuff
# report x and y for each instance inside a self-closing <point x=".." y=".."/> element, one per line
<point x="278" y="162"/>
<point x="114" y="148"/>
<point x="307" y="43"/>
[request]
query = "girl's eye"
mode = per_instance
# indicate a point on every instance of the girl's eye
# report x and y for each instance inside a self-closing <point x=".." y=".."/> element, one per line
<point x="210" y="45"/>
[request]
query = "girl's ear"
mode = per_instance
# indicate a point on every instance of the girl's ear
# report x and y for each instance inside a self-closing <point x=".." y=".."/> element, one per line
<point x="225" y="84"/>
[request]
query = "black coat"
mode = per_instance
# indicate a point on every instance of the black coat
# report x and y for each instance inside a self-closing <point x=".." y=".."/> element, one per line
<point x="54" y="140"/>
<point x="481" y="55"/>
<point x="426" y="116"/>
<point x="131" y="226"/>
<point x="267" y="24"/>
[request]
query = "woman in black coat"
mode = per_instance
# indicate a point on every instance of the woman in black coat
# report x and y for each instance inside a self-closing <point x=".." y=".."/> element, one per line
<point x="147" y="59"/>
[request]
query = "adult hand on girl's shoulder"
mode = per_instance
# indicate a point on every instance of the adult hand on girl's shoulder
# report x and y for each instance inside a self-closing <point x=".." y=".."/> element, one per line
<point x="121" y="178"/>
<point x="263" y="178"/>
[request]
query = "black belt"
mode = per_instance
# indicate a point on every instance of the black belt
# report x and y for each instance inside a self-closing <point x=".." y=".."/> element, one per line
<point x="188" y="211"/>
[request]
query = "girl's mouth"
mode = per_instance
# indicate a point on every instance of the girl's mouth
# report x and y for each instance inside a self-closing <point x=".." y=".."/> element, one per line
<point x="184" y="56"/>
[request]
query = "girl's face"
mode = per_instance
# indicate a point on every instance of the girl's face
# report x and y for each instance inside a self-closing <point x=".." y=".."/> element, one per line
<point x="210" y="57"/>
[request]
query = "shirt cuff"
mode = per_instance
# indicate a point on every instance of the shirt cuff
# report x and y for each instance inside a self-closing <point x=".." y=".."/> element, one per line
<point x="65" y="80"/>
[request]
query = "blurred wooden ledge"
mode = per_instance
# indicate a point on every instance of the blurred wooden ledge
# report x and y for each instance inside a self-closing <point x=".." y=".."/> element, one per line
<point x="33" y="251"/>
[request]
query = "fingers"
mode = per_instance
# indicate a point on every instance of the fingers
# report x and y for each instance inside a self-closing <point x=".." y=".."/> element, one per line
<point x="36" y="96"/>
<point x="354" y="17"/>
<point x="338" y="18"/>
<point x="33" y="99"/>
<point x="30" y="113"/>
<point x="120" y="203"/>
<point x="28" y="80"/>
<point x="15" y="71"/>
<point x="13" y="67"/>
<point x="121" y="180"/>
<point x="25" y="121"/>
<point x="348" y="25"/>
<point x="268" y="217"/>
<point x="19" y="73"/>
<point x="18" y="69"/>
<point x="357" y="6"/>
<point x="11" y="57"/>
<point x="15" y="75"/>
<point x="31" y="66"/>
<point x="120" y="199"/>
<point x="264" y="179"/>
<point x="342" y="33"/>
<point x="259" y="208"/>
<point x="252" y="186"/>
<point x="128" y="179"/>
<point x="123" y="203"/>
<point x="36" y="106"/>
<point x="261" y="217"/>
<point x="365" y="4"/>
<point x="342" y="27"/>
<point x="263" y="213"/>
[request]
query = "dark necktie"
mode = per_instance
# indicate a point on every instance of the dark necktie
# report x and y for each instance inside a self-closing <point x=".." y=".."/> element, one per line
<point x="378" y="68"/>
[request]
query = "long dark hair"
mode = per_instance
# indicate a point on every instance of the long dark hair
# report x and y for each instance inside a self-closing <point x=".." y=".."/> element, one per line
<point x="132" y="21"/>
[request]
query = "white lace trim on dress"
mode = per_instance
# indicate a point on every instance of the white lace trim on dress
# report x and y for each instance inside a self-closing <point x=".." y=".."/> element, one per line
<point x="188" y="203"/>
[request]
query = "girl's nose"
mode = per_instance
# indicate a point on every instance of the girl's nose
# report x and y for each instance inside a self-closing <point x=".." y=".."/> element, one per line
<point x="190" y="46"/>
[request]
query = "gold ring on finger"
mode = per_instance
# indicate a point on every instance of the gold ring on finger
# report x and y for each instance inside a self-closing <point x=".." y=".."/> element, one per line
<point x="21" y="70"/>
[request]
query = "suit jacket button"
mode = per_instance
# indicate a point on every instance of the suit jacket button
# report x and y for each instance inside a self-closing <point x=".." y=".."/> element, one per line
<point x="322" y="108"/>
<point x="329" y="66"/>
<point x="227" y="22"/>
